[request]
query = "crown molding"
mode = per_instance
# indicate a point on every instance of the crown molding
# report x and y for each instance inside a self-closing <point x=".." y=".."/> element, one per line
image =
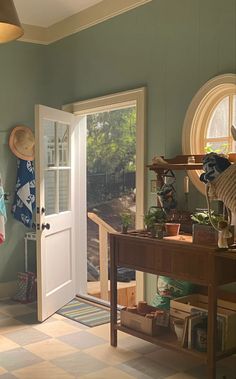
<point x="85" y="19"/>
<point x="34" y="34"/>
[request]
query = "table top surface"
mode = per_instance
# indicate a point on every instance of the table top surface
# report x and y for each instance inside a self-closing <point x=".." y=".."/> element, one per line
<point x="183" y="240"/>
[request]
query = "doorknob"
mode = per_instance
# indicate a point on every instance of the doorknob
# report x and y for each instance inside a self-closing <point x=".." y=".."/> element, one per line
<point x="46" y="226"/>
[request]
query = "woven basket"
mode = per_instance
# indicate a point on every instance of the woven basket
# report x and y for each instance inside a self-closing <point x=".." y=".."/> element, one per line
<point x="224" y="188"/>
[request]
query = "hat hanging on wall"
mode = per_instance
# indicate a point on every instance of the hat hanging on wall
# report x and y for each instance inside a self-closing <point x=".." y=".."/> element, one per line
<point x="22" y="143"/>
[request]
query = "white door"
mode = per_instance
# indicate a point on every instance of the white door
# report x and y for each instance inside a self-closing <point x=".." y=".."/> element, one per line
<point x="54" y="132"/>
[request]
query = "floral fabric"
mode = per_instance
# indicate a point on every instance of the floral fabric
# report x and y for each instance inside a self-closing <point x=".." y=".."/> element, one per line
<point x="24" y="201"/>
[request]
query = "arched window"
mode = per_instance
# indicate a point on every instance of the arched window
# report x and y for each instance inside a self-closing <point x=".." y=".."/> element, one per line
<point x="208" y="120"/>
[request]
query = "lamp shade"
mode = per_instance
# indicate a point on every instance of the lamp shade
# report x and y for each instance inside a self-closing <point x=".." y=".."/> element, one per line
<point x="10" y="27"/>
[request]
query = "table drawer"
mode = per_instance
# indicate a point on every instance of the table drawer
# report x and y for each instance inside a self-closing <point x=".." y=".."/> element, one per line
<point x="135" y="254"/>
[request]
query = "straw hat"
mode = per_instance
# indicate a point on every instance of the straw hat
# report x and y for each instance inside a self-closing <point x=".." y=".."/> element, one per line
<point x="22" y="143"/>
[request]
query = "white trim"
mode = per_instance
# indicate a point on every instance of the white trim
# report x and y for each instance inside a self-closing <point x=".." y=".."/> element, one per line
<point x="8" y="289"/>
<point x="81" y="204"/>
<point x="136" y="97"/>
<point x="198" y="114"/>
<point x="82" y="20"/>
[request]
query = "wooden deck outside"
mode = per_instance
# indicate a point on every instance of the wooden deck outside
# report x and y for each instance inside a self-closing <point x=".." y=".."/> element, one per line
<point x="126" y="292"/>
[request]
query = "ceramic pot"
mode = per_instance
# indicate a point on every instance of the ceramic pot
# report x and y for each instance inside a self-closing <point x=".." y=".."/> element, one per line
<point x="172" y="229"/>
<point x="207" y="235"/>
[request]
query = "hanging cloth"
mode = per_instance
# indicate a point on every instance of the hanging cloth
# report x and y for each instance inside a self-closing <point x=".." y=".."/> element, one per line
<point x="3" y="215"/>
<point x="24" y="201"/>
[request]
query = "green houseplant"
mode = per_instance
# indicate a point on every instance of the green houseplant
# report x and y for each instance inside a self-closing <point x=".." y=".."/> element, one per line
<point x="126" y="221"/>
<point x="155" y="217"/>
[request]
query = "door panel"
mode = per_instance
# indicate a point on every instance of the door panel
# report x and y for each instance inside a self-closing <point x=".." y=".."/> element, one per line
<point x="55" y="209"/>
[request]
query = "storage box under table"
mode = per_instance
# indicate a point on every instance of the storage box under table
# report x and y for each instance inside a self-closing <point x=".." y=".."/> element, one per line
<point x="140" y="323"/>
<point x="183" y="307"/>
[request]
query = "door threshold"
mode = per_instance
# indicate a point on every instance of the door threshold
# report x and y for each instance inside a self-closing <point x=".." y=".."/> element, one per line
<point x="98" y="301"/>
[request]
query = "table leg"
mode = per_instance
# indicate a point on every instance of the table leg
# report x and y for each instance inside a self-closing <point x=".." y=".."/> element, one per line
<point x="212" y="332"/>
<point x="113" y="278"/>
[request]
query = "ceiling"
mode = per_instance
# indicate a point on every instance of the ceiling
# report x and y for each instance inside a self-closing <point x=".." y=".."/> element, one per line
<point x="45" y="13"/>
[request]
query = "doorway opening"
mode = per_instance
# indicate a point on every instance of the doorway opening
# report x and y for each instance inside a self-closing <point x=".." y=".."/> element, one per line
<point x="111" y="189"/>
<point x="98" y="113"/>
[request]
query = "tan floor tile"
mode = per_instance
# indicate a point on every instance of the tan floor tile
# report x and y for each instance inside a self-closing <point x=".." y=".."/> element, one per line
<point x="108" y="373"/>
<point x="181" y="375"/>
<point x="10" y="325"/>
<point x="16" y="310"/>
<point x="58" y="317"/>
<point x="2" y="370"/>
<point x="114" y="356"/>
<point x="56" y="328"/>
<point x="41" y="371"/>
<point x="50" y="349"/>
<point x="6" y="344"/>
<point x="103" y="331"/>
<point x="173" y="359"/>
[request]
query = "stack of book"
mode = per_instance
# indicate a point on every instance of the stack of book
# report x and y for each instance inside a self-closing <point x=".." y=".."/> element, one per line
<point x="195" y="331"/>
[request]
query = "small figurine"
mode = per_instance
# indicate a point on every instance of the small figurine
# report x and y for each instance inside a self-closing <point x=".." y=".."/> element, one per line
<point x="213" y="165"/>
<point x="167" y="197"/>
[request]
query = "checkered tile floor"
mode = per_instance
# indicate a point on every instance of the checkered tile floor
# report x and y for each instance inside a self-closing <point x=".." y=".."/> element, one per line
<point x="63" y="349"/>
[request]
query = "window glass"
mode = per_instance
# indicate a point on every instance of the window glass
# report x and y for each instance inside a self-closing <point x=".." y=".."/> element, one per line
<point x="234" y="111"/>
<point x="49" y="143"/>
<point x="219" y="123"/>
<point x="64" y="190"/>
<point x="63" y="144"/>
<point x="50" y="192"/>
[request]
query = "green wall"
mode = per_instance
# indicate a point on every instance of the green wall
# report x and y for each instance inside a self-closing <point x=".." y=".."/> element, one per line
<point x="23" y="82"/>
<point x="171" y="46"/>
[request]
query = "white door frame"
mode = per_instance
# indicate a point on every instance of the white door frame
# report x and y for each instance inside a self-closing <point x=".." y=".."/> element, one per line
<point x="136" y="97"/>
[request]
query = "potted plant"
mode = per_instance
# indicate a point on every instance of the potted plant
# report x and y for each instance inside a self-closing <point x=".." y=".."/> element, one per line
<point x="126" y="221"/>
<point x="203" y="231"/>
<point x="154" y="220"/>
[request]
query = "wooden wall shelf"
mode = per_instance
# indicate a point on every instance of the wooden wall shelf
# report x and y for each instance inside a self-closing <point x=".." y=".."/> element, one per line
<point x="180" y="162"/>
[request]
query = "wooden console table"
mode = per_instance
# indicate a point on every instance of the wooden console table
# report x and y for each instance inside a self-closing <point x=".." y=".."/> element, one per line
<point x="179" y="259"/>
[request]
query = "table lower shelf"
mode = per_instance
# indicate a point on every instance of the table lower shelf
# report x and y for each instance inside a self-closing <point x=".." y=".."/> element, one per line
<point x="169" y="341"/>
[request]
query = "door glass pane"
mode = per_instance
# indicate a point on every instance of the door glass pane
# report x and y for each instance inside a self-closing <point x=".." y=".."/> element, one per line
<point x="219" y="123"/>
<point x="49" y="143"/>
<point x="63" y="145"/>
<point x="64" y="190"/>
<point x="50" y="192"/>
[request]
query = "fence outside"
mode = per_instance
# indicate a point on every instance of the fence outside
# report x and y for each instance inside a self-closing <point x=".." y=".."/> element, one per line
<point x="103" y="186"/>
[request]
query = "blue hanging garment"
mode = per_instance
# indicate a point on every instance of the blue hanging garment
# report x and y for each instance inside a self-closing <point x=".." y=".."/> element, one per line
<point x="24" y="201"/>
<point x="3" y="214"/>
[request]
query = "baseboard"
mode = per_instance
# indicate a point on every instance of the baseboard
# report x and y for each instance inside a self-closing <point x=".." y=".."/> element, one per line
<point x="7" y="289"/>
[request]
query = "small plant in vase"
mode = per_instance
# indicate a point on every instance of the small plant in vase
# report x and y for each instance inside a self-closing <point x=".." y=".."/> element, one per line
<point x="126" y="221"/>
<point x="150" y="222"/>
<point x="154" y="220"/>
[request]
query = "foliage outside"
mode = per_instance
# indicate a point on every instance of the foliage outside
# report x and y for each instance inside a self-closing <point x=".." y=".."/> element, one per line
<point x="111" y="141"/>
<point x="222" y="149"/>
<point x="126" y="219"/>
